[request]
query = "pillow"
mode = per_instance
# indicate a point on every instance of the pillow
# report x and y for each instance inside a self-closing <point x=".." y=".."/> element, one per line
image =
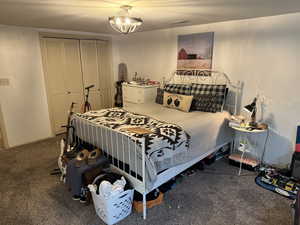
<point x="182" y="89"/>
<point x="159" y="96"/>
<point x="212" y="92"/>
<point x="176" y="101"/>
<point x="206" y="103"/>
<point x="218" y="89"/>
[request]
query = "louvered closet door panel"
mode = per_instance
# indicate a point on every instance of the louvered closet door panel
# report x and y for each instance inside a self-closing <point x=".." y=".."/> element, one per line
<point x="106" y="81"/>
<point x="89" y="59"/>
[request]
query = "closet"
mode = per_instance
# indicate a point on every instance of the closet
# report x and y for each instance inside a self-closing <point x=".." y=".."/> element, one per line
<point x="70" y="65"/>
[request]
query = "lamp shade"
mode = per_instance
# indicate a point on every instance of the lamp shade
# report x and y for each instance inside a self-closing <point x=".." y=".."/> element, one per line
<point x="251" y="107"/>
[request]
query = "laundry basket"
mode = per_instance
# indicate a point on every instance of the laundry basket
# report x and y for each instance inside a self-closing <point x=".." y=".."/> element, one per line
<point x="115" y="208"/>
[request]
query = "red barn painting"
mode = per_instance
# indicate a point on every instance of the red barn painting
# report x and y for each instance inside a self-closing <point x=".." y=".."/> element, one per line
<point x="182" y="54"/>
<point x="195" y="51"/>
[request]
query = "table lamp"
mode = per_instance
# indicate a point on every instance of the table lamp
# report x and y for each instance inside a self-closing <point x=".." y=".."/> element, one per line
<point x="251" y="111"/>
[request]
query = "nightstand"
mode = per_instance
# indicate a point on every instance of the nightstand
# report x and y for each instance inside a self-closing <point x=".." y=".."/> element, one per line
<point x="245" y="151"/>
<point x="139" y="94"/>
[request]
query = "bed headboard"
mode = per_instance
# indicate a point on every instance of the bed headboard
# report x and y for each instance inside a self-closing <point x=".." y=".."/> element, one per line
<point x="207" y="76"/>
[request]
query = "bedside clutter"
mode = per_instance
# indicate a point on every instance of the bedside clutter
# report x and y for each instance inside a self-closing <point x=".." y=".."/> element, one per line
<point x="245" y="153"/>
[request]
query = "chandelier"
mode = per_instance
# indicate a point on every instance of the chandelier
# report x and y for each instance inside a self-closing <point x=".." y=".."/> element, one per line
<point x="125" y="24"/>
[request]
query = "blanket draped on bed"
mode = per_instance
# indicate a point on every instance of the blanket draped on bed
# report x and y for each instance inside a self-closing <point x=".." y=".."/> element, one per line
<point x="166" y="144"/>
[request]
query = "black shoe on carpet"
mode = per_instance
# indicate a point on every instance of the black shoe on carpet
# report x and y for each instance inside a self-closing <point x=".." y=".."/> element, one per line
<point x="76" y="197"/>
<point x="83" y="199"/>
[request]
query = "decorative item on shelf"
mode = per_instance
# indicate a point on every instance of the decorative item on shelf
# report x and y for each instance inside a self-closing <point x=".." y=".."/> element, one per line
<point x="251" y="111"/>
<point x="125" y="24"/>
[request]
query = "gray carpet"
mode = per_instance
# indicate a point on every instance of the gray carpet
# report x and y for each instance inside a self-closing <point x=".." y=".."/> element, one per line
<point x="29" y="195"/>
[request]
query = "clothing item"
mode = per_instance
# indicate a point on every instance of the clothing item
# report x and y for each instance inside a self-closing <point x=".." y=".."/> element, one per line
<point x="76" y="197"/>
<point x="74" y="176"/>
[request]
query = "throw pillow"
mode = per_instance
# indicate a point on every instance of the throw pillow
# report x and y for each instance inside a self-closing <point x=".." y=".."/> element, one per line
<point x="159" y="96"/>
<point x="176" y="101"/>
<point x="202" y="93"/>
<point x="182" y="89"/>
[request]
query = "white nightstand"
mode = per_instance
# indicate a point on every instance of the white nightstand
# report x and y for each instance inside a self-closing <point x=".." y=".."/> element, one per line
<point x="243" y="151"/>
<point x="139" y="94"/>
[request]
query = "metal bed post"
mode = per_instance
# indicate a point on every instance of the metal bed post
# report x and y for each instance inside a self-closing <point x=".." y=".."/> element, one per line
<point x="144" y="177"/>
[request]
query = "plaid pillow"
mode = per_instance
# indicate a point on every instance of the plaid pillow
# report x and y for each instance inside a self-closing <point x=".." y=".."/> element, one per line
<point x="182" y="89"/>
<point x="205" y="103"/>
<point x="159" y="96"/>
<point x="208" y="97"/>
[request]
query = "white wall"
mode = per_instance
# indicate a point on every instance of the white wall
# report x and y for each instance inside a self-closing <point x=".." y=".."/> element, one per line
<point x="23" y="102"/>
<point x="264" y="53"/>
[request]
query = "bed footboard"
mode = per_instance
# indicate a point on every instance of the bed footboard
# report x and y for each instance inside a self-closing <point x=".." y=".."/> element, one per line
<point x="126" y="155"/>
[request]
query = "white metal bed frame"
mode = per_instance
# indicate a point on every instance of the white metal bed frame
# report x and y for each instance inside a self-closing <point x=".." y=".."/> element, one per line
<point x="107" y="139"/>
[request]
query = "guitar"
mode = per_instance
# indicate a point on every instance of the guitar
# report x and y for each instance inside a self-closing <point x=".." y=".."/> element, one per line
<point x="68" y="126"/>
<point x="119" y="95"/>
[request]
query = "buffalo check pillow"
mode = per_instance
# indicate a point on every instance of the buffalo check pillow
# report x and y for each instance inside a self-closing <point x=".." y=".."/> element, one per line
<point x="208" y="97"/>
<point x="182" y="89"/>
<point x="159" y="96"/>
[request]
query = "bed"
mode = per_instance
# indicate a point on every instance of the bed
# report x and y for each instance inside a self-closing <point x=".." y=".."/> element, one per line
<point x="150" y="159"/>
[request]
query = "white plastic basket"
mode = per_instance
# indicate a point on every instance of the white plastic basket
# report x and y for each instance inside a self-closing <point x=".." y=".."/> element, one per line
<point x="114" y="209"/>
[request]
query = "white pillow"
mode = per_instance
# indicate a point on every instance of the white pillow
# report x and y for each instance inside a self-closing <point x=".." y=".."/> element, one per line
<point x="176" y="101"/>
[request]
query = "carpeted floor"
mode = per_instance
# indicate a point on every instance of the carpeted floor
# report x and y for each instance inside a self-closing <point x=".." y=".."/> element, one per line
<point x="29" y="195"/>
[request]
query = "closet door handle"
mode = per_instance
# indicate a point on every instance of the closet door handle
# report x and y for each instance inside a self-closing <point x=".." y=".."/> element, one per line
<point x="68" y="92"/>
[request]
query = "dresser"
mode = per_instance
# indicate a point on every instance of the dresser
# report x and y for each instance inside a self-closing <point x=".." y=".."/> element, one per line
<point x="133" y="93"/>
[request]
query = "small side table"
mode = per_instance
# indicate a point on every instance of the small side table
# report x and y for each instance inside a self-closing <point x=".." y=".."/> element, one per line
<point x="244" y="152"/>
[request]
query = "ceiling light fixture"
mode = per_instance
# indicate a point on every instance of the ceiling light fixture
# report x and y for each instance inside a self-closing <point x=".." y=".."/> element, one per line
<point x="125" y="24"/>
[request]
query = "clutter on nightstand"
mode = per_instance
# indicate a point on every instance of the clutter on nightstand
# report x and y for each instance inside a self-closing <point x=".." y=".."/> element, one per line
<point x="244" y="153"/>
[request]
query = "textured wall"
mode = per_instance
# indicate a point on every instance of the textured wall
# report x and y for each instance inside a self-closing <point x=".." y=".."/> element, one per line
<point x="264" y="53"/>
<point x="23" y="102"/>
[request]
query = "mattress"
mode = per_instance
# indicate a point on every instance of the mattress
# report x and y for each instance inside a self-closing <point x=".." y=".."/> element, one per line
<point x="207" y="130"/>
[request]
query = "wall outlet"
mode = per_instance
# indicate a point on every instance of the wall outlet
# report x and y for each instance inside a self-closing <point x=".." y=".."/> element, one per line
<point x="4" y="81"/>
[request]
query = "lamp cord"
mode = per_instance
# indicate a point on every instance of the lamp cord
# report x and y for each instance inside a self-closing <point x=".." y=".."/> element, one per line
<point x="265" y="146"/>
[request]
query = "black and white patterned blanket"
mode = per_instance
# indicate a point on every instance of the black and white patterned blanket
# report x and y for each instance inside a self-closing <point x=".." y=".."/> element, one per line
<point x="165" y="146"/>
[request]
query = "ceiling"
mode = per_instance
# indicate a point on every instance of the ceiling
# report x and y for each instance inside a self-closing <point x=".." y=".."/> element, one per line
<point x="91" y="15"/>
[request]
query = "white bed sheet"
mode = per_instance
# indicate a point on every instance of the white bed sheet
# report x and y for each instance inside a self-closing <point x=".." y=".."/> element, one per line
<point x="207" y="130"/>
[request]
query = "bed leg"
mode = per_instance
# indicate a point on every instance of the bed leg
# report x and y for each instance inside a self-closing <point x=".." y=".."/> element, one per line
<point x="144" y="206"/>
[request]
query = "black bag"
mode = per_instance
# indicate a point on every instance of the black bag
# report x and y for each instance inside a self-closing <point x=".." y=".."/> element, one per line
<point x="297" y="210"/>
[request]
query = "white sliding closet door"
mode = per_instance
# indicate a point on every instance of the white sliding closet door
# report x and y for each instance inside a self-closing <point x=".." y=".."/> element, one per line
<point x="64" y="78"/>
<point x="90" y="61"/>
<point x="96" y="71"/>
<point x="106" y="81"/>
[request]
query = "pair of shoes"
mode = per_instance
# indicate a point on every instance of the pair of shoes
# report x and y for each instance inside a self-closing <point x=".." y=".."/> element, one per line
<point x="76" y="197"/>
<point x="83" y="199"/>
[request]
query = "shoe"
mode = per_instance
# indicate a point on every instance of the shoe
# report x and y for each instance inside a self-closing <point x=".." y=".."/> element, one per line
<point x="83" y="199"/>
<point x="76" y="197"/>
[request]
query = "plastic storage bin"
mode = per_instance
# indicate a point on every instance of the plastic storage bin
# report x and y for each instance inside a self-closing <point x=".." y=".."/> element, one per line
<point x="114" y="209"/>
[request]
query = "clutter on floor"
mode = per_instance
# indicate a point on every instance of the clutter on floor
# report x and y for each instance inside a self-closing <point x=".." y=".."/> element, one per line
<point x="283" y="182"/>
<point x="85" y="171"/>
<point x="153" y="198"/>
<point x="112" y="196"/>
<point x="278" y="182"/>
<point x="296" y="210"/>
<point x="77" y="167"/>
